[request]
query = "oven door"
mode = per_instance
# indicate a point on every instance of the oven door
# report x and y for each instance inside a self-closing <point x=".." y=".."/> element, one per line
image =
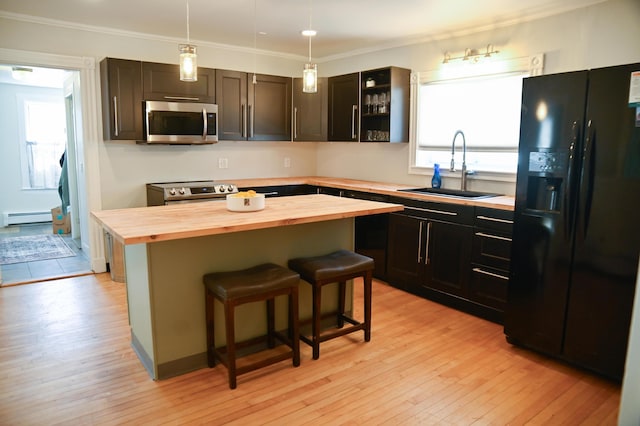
<point x="180" y="123"/>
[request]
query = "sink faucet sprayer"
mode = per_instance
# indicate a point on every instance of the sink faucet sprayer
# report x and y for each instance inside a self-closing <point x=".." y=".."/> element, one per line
<point x="463" y="184"/>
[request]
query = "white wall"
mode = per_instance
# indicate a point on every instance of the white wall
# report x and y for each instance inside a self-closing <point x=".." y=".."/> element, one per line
<point x="125" y="166"/>
<point x="14" y="198"/>
<point x="601" y="35"/>
<point x="630" y="402"/>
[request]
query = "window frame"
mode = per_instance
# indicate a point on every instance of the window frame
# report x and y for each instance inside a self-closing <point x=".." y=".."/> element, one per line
<point x="22" y="100"/>
<point x="532" y="66"/>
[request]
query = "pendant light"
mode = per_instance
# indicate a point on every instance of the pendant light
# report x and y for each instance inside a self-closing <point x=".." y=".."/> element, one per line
<point x="255" y="36"/>
<point x="310" y="73"/>
<point x="188" y="57"/>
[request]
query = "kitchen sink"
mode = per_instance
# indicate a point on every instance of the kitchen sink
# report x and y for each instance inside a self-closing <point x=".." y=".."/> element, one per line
<point x="451" y="192"/>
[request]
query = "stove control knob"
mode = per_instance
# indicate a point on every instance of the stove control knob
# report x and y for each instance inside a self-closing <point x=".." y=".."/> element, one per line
<point x="221" y="188"/>
<point x="172" y="191"/>
<point x="182" y="191"/>
<point x="230" y="188"/>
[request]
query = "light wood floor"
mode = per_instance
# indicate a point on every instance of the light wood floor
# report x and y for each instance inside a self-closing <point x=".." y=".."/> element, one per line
<point x="65" y="358"/>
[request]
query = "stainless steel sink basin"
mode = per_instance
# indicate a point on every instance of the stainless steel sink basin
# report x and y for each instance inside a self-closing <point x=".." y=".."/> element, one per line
<point x="451" y="192"/>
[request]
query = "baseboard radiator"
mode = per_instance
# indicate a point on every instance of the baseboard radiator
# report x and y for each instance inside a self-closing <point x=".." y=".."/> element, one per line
<point x="17" y="218"/>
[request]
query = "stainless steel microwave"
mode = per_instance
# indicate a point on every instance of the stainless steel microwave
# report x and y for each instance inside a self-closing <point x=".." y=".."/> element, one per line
<point x="180" y="123"/>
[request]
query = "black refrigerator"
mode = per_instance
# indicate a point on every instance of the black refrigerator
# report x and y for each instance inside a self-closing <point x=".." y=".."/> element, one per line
<point x="576" y="235"/>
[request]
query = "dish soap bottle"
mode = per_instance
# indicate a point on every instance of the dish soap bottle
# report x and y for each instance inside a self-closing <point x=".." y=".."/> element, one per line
<point x="436" y="180"/>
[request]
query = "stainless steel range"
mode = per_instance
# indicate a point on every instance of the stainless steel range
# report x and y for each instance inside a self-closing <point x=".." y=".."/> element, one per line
<point x="159" y="194"/>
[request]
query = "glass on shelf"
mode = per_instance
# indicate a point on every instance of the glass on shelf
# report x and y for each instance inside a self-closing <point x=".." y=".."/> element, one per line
<point x="382" y="106"/>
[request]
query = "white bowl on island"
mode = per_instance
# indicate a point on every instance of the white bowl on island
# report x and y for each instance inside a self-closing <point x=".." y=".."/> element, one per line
<point x="245" y="201"/>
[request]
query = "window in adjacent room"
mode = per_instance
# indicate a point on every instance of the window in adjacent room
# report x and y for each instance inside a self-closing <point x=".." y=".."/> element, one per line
<point x="43" y="141"/>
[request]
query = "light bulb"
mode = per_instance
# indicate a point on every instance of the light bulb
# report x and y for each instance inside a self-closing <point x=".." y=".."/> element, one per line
<point x="310" y="78"/>
<point x="188" y="63"/>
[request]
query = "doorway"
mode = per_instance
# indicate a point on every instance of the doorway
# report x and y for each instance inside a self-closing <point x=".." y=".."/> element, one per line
<point x="34" y="172"/>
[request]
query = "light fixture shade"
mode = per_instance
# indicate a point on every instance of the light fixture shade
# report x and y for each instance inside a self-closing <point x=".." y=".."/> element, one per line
<point x="188" y="63"/>
<point x="310" y="78"/>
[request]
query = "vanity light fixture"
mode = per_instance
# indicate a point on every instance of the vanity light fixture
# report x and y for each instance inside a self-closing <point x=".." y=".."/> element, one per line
<point x="188" y="57"/>
<point x="310" y="73"/>
<point x="473" y="56"/>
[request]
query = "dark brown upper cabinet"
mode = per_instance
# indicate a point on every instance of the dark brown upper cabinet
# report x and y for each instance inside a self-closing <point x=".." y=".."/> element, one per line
<point x="121" y="86"/>
<point x="161" y="82"/>
<point x="248" y="111"/>
<point x="344" y="92"/>
<point x="310" y="112"/>
<point x="384" y="115"/>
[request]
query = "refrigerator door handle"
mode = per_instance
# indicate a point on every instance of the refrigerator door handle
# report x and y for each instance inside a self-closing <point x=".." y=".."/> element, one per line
<point x="586" y="180"/>
<point x="568" y="188"/>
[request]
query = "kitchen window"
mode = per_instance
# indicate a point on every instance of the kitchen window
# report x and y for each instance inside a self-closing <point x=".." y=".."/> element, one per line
<point x="483" y="103"/>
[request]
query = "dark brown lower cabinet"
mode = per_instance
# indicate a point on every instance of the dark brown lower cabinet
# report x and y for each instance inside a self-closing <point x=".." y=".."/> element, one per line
<point x="432" y="252"/>
<point x="491" y="258"/>
<point x="429" y="254"/>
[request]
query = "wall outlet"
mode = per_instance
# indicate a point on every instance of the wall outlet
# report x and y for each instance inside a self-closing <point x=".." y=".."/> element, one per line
<point x="287" y="162"/>
<point x="223" y="163"/>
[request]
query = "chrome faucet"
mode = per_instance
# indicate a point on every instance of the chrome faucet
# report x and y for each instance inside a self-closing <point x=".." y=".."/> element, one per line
<point x="463" y="184"/>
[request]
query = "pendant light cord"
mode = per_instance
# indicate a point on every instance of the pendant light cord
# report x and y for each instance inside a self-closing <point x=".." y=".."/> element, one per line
<point x="255" y="38"/>
<point x="188" y="35"/>
<point x="310" y="28"/>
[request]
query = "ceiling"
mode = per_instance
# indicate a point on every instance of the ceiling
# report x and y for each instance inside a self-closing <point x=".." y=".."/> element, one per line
<point x="344" y="26"/>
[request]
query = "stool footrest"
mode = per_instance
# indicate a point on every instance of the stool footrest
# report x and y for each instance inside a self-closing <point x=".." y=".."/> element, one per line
<point x="337" y="332"/>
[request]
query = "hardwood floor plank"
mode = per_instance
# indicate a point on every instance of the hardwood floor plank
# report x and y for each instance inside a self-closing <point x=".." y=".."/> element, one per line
<point x="66" y="357"/>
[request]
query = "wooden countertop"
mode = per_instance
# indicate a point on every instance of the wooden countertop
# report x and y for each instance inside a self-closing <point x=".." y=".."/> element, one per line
<point x="176" y="221"/>
<point x="501" y="202"/>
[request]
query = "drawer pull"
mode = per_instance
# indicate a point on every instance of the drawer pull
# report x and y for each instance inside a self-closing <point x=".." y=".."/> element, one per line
<point x="495" y="219"/>
<point x="182" y="98"/>
<point x="432" y="211"/>
<point x="495" y="237"/>
<point x="481" y="271"/>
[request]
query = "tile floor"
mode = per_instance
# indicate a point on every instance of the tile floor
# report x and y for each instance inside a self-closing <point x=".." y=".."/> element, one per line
<point x="43" y="269"/>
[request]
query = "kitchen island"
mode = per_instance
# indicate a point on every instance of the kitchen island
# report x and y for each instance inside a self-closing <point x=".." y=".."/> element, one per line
<point x="169" y="248"/>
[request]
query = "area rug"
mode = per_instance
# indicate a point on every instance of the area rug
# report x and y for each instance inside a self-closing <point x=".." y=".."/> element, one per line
<point x="33" y="247"/>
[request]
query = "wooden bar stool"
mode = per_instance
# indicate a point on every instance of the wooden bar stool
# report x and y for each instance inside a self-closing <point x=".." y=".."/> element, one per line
<point x="339" y="267"/>
<point x="259" y="283"/>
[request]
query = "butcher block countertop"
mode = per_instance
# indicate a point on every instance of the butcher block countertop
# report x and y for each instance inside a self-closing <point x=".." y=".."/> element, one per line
<point x="176" y="221"/>
<point x="501" y="202"/>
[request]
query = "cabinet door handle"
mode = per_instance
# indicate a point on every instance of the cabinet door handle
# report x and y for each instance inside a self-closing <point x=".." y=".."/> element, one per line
<point x="244" y="120"/>
<point x="182" y="98"/>
<point x="432" y="211"/>
<point x="495" y="237"/>
<point x="251" y="120"/>
<point x="481" y="271"/>
<point x="495" y="219"/>
<point x="295" y="123"/>
<point x="420" y="243"/>
<point x="426" y="246"/>
<point x="206" y="124"/>
<point x="115" y="115"/>
<point x="354" y="112"/>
